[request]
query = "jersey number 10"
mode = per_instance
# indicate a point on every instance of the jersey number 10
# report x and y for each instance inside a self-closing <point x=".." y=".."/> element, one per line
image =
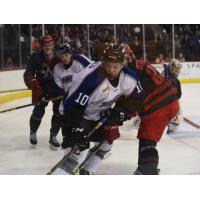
<point x="82" y="99"/>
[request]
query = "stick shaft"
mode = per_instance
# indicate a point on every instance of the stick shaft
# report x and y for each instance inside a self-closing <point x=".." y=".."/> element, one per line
<point x="191" y="123"/>
<point x="100" y="123"/>
<point x="23" y="106"/>
<point x="14" y="90"/>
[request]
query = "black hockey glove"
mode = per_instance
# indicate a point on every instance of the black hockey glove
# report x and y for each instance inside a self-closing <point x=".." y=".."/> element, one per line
<point x="79" y="138"/>
<point x="117" y="115"/>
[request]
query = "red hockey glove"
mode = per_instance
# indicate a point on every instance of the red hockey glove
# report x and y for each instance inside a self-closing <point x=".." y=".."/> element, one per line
<point x="140" y="64"/>
<point x="111" y="132"/>
<point x="128" y="51"/>
<point x="34" y="85"/>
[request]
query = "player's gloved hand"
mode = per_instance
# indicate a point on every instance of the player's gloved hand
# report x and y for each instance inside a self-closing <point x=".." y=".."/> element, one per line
<point x="117" y="115"/>
<point x="34" y="84"/>
<point x="140" y="64"/>
<point x="128" y="51"/>
<point x="43" y="100"/>
<point x="111" y="132"/>
<point x="79" y="138"/>
<point x="36" y="90"/>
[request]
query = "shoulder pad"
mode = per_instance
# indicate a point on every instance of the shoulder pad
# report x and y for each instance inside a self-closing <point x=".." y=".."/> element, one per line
<point x="82" y="59"/>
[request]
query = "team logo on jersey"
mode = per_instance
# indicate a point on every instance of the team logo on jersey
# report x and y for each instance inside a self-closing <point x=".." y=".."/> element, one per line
<point x="106" y="88"/>
<point x="46" y="71"/>
<point x="67" y="79"/>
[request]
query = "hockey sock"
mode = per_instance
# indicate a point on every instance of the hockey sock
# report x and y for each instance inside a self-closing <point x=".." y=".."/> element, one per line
<point x="148" y="157"/>
<point x="96" y="159"/>
<point x="34" y="123"/>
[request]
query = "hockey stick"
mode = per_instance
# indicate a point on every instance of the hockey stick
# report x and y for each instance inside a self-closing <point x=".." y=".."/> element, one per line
<point x="77" y="169"/>
<point x="19" y="107"/>
<point x="76" y="148"/>
<point x="191" y="123"/>
<point x="15" y="90"/>
<point x="15" y="108"/>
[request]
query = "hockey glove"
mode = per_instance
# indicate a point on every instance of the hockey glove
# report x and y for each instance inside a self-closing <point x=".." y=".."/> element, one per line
<point x="111" y="132"/>
<point x="36" y="90"/>
<point x="117" y="115"/>
<point x="79" y="138"/>
<point x="128" y="51"/>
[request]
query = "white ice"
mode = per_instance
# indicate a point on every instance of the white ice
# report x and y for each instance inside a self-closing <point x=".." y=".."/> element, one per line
<point x="179" y="154"/>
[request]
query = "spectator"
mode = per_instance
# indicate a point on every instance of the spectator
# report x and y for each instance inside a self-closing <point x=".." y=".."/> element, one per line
<point x="160" y="59"/>
<point x="169" y="57"/>
<point x="136" y="46"/>
<point x="35" y="45"/>
<point x="158" y="39"/>
<point x="9" y="62"/>
<point x="180" y="57"/>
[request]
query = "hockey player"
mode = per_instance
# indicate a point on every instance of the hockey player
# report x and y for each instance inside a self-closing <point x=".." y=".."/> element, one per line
<point x="38" y="77"/>
<point x="68" y="65"/>
<point x="159" y="106"/>
<point x="92" y="93"/>
<point x="171" y="72"/>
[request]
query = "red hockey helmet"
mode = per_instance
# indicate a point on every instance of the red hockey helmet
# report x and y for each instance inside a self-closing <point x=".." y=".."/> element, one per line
<point x="46" y="39"/>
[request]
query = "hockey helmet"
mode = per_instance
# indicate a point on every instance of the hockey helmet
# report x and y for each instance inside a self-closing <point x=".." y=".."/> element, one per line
<point x="64" y="48"/>
<point x="175" y="67"/>
<point x="46" y="39"/>
<point x="113" y="53"/>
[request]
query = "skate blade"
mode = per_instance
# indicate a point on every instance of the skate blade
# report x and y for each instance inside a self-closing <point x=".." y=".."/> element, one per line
<point x="107" y="155"/>
<point x="32" y="146"/>
<point x="53" y="147"/>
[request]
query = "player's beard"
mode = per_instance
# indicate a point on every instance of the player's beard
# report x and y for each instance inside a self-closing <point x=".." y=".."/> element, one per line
<point x="112" y="77"/>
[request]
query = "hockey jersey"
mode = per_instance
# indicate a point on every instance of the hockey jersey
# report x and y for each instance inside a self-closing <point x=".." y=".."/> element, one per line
<point x="91" y="92"/>
<point x="158" y="91"/>
<point x="42" y="69"/>
<point x="63" y="75"/>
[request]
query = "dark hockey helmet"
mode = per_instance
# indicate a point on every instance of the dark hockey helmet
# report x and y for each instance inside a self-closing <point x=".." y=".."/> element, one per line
<point x="64" y="48"/>
<point x="113" y="53"/>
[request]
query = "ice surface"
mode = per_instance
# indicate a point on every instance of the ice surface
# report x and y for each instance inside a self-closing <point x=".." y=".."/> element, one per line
<point x="179" y="153"/>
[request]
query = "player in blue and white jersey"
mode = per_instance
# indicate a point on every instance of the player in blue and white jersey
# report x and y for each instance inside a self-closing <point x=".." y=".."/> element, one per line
<point x="69" y="64"/>
<point x="92" y="92"/>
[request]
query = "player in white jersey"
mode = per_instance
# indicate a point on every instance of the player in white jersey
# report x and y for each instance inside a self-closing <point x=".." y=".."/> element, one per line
<point x="68" y="65"/>
<point x="92" y="92"/>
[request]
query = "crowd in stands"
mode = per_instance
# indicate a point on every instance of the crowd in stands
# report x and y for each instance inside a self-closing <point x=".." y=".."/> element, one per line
<point x="158" y="40"/>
